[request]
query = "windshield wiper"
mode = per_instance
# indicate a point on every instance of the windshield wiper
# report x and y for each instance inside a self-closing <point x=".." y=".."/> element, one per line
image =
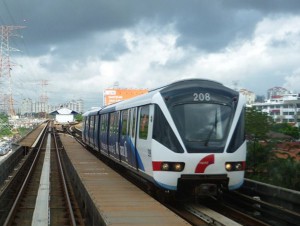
<point x="214" y="126"/>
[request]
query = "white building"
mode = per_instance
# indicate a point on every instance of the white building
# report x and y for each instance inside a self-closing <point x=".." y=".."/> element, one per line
<point x="64" y="115"/>
<point x="250" y="96"/>
<point x="282" y="108"/>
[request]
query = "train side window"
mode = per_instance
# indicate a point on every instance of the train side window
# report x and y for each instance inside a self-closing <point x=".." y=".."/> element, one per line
<point x="111" y="123"/>
<point x="133" y="122"/>
<point x="97" y="118"/>
<point x="124" y="122"/>
<point x="239" y="136"/>
<point x="92" y="123"/>
<point x="103" y="123"/>
<point x="85" y="125"/>
<point x="117" y="118"/>
<point x="144" y="122"/>
<point x="163" y="133"/>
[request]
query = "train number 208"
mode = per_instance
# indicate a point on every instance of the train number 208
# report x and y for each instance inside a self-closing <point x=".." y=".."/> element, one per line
<point x="201" y="96"/>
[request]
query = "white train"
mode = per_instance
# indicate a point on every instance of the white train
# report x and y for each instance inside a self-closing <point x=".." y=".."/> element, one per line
<point x="184" y="137"/>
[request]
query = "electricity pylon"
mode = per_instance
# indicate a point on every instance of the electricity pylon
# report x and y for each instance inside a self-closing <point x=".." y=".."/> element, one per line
<point x="6" y="66"/>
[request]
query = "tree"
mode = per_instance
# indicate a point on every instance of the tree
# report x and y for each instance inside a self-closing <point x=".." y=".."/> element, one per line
<point x="259" y="153"/>
<point x="257" y="124"/>
<point x="5" y="128"/>
<point x="78" y="117"/>
<point x="262" y="162"/>
<point x="285" y="172"/>
<point x="286" y="129"/>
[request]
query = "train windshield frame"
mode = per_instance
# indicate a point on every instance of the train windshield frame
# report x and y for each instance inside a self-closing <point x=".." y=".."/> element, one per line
<point x="191" y="102"/>
<point x="203" y="127"/>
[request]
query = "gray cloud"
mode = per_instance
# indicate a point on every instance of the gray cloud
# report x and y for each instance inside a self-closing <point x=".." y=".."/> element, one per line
<point x="71" y="39"/>
<point x="208" y="25"/>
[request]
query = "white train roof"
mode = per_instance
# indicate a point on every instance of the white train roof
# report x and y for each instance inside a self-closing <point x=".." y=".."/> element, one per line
<point x="92" y="111"/>
<point x="147" y="98"/>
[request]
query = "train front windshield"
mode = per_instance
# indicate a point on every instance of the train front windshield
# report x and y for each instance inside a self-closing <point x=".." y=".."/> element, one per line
<point x="203" y="126"/>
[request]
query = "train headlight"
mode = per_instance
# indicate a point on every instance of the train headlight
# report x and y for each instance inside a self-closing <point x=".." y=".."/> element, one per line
<point x="228" y="166"/>
<point x="178" y="167"/>
<point x="238" y="166"/>
<point x="235" y="166"/>
<point x="165" y="166"/>
<point x="168" y="166"/>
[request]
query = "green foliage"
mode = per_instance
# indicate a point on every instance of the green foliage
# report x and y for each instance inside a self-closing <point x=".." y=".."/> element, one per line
<point x="22" y="131"/>
<point x="257" y="124"/>
<point x="5" y="129"/>
<point x="286" y="129"/>
<point x="258" y="157"/>
<point x="5" y="132"/>
<point x="262" y="163"/>
<point x="285" y="173"/>
<point x="3" y="118"/>
<point x="78" y="117"/>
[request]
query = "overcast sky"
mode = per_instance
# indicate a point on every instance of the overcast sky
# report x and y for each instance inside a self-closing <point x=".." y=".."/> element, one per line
<point x="82" y="47"/>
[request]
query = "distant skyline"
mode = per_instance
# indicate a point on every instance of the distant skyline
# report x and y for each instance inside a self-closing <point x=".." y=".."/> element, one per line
<point x="82" y="49"/>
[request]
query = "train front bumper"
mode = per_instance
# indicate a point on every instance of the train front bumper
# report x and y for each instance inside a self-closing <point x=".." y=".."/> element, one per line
<point x="203" y="185"/>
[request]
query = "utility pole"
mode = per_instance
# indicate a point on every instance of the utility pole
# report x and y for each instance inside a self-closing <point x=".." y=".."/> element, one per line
<point x="5" y="68"/>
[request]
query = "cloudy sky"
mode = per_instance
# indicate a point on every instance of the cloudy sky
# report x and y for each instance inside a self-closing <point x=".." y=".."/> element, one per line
<point x="82" y="47"/>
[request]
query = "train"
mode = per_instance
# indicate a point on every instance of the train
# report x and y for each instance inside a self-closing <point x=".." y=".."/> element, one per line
<point x="184" y="137"/>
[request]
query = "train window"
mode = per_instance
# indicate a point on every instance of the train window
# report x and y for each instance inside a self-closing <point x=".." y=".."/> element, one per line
<point x="133" y="122"/>
<point x="116" y="127"/>
<point x="112" y="123"/>
<point x="124" y="122"/>
<point x="97" y="118"/>
<point x="238" y="137"/>
<point x="92" y="123"/>
<point x="103" y="123"/>
<point x="85" y="122"/>
<point x="144" y="122"/>
<point x="202" y="127"/>
<point x="163" y="133"/>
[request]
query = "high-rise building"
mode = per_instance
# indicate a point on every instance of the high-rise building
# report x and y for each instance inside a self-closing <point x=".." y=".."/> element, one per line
<point x="249" y="95"/>
<point x="26" y="106"/>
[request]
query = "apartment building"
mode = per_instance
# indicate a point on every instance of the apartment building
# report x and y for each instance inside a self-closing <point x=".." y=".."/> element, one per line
<point x="282" y="105"/>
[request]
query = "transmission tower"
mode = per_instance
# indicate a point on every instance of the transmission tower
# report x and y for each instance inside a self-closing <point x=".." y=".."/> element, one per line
<point x="5" y="68"/>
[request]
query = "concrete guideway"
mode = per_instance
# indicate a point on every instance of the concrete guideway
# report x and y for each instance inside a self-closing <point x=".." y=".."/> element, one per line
<point x="41" y="211"/>
<point x="109" y="198"/>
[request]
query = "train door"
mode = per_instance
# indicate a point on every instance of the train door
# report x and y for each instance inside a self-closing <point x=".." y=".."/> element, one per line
<point x="144" y="137"/>
<point x="91" y="131"/>
<point x="96" y="132"/>
<point x="131" y="151"/>
<point x="124" y="136"/>
<point x="113" y="135"/>
<point x="103" y="133"/>
<point x="85" y="129"/>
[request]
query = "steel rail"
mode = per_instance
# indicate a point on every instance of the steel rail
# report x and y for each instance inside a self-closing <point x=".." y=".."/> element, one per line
<point x="67" y="197"/>
<point x="275" y="211"/>
<point x="20" y="193"/>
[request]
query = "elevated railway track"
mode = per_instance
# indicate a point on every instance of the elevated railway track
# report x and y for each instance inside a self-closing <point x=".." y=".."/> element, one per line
<point x="38" y="193"/>
<point x="77" y="191"/>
